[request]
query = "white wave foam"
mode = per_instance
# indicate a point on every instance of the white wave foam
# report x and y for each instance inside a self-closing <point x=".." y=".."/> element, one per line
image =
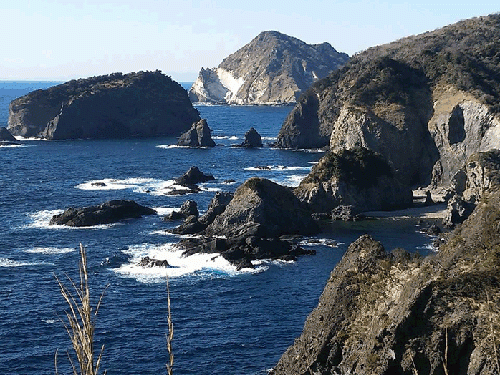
<point x="320" y="242"/>
<point x="137" y="185"/>
<point x="171" y="146"/>
<point x="294" y="180"/>
<point x="230" y="137"/>
<point x="12" y="146"/>
<point x="6" y="262"/>
<point x="164" y="210"/>
<point x="269" y="138"/>
<point x="50" y="250"/>
<point x="213" y="265"/>
<point x="276" y="168"/>
<point x="21" y="138"/>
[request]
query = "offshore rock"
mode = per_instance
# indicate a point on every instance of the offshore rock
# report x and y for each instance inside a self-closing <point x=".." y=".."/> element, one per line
<point x="144" y="104"/>
<point x="272" y="69"/>
<point x="188" y="208"/>
<point x="217" y="206"/>
<point x="105" y="213"/>
<point x="152" y="262"/>
<point x="193" y="176"/>
<point x="199" y="135"/>
<point x="252" y="139"/>
<point x="6" y="136"/>
<point x="426" y="103"/>
<point x="358" y="178"/>
<point x="395" y="313"/>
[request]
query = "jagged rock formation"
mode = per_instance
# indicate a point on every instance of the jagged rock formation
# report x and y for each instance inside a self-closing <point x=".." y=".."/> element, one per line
<point x="199" y="135"/>
<point x="105" y="213"/>
<point x="144" y="104"/>
<point x="425" y="103"/>
<point x="395" y="313"/>
<point x="358" y="178"/>
<point x="272" y="69"/>
<point x="6" y="138"/>
<point x="249" y="226"/>
<point x="252" y="139"/>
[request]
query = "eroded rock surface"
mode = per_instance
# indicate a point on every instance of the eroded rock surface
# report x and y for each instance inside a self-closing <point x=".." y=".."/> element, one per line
<point x="272" y="69"/>
<point x="144" y="104"/>
<point x="199" y="135"/>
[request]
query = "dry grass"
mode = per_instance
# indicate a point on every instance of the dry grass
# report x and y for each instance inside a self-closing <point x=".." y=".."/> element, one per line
<point x="81" y="322"/>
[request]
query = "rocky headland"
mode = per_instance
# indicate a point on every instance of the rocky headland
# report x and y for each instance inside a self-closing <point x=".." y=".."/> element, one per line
<point x="425" y="103"/>
<point x="144" y="104"/>
<point x="272" y="69"/>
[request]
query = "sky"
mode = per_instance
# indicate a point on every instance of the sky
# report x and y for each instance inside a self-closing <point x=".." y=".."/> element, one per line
<point x="59" y="40"/>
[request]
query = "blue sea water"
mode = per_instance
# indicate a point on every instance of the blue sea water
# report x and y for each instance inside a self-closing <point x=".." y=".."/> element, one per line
<point x="226" y="322"/>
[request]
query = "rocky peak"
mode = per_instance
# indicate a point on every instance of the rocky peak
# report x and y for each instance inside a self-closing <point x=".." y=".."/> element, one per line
<point x="273" y="68"/>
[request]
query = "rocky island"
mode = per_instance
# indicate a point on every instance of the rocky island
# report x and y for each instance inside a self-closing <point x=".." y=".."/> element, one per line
<point x="143" y="104"/>
<point x="273" y="68"/>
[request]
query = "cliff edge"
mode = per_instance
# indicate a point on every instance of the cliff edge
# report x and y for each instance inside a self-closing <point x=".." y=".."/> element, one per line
<point x="272" y="69"/>
<point x="143" y="104"/>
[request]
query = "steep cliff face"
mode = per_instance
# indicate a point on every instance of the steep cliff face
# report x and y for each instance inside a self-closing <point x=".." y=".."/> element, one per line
<point x="144" y="104"/>
<point x="425" y="103"/>
<point x="272" y="69"/>
<point x="395" y="313"/>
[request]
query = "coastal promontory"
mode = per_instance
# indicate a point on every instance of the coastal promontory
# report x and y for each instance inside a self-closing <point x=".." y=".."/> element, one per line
<point x="143" y="104"/>
<point x="273" y="68"/>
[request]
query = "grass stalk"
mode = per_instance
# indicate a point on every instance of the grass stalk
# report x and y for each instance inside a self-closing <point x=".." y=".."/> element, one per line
<point x="170" y="334"/>
<point x="81" y="322"/>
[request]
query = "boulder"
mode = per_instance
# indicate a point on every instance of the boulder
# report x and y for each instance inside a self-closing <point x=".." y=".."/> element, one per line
<point x="263" y="209"/>
<point x="252" y="139"/>
<point x="188" y="208"/>
<point x="192" y="177"/>
<point x="217" y="206"/>
<point x="190" y="226"/>
<point x="151" y="262"/>
<point x="105" y="213"/>
<point x="457" y="211"/>
<point x="143" y="104"/>
<point x="199" y="135"/>
<point x="359" y="178"/>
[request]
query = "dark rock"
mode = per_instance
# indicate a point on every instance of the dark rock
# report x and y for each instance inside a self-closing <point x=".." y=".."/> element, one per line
<point x="189" y="208"/>
<point x="151" y="262"/>
<point x="432" y="230"/>
<point x="190" y="226"/>
<point x="359" y="178"/>
<point x="105" y="213"/>
<point x="345" y="213"/>
<point x="6" y="136"/>
<point x="144" y="104"/>
<point x="191" y="189"/>
<point x="199" y="135"/>
<point x="100" y="184"/>
<point x="229" y="181"/>
<point x="263" y="209"/>
<point x="252" y="139"/>
<point x="272" y="69"/>
<point x="216" y="207"/>
<point x="174" y="215"/>
<point x="192" y="177"/>
<point x="428" y="198"/>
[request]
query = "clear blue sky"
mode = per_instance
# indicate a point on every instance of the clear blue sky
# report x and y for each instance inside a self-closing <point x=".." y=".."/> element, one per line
<point x="62" y="39"/>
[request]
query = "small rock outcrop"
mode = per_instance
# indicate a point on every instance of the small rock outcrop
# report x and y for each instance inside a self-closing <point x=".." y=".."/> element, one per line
<point x="199" y="135"/>
<point x="192" y="177"/>
<point x="152" y="262"/>
<point x="272" y="69"/>
<point x="358" y="178"/>
<point x="6" y="136"/>
<point x="248" y="225"/>
<point x="105" y="213"/>
<point x="144" y="104"/>
<point x="396" y="313"/>
<point x="252" y="139"/>
<point x="188" y="208"/>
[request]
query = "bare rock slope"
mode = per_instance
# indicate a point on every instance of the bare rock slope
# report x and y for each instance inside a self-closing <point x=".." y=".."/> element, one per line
<point x="272" y="69"/>
<point x="144" y="104"/>
<point x="425" y="103"/>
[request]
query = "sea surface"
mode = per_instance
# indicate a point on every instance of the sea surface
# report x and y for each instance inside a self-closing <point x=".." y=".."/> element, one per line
<point x="226" y="322"/>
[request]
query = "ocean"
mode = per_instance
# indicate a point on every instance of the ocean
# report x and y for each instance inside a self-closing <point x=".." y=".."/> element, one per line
<point x="226" y="322"/>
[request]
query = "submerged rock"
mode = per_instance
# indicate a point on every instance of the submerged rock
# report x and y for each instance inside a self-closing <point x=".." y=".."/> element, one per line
<point x="105" y="213"/>
<point x="199" y="135"/>
<point x="144" y="104"/>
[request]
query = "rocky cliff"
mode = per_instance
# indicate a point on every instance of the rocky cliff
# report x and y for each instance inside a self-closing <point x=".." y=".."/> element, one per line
<point x="395" y="313"/>
<point x="272" y="69"/>
<point x="144" y="104"/>
<point x="425" y="103"/>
